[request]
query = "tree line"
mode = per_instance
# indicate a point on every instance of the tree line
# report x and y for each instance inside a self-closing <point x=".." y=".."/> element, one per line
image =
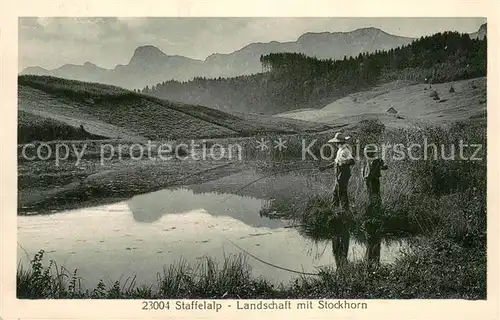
<point x="294" y="80"/>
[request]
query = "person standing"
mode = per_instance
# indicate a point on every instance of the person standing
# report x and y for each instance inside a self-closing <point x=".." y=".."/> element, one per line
<point x="342" y="165"/>
<point x="372" y="172"/>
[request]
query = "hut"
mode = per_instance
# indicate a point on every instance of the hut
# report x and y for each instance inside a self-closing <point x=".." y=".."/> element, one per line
<point x="391" y="110"/>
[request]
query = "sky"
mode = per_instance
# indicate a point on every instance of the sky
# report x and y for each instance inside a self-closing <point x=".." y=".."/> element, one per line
<point x="106" y="42"/>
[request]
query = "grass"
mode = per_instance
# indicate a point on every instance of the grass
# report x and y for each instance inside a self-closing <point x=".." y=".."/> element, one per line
<point x="73" y="88"/>
<point x="32" y="128"/>
<point x="447" y="259"/>
<point x="413" y="190"/>
<point x="439" y="204"/>
<point x="436" y="268"/>
<point x="146" y="116"/>
<point x="411" y="101"/>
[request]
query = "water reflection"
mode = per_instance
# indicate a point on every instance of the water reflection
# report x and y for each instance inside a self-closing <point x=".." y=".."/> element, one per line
<point x="118" y="246"/>
<point x="151" y="207"/>
<point x="147" y="232"/>
<point x="292" y="186"/>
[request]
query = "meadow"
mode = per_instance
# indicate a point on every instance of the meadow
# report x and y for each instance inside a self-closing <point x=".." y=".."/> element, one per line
<point x="438" y="205"/>
<point x="117" y="113"/>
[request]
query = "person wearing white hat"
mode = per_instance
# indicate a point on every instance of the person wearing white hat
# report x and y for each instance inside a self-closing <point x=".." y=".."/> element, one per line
<point x="342" y="165"/>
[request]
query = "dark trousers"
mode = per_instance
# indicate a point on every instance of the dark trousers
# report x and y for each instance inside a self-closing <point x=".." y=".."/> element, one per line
<point x="373" y="187"/>
<point x="340" y="196"/>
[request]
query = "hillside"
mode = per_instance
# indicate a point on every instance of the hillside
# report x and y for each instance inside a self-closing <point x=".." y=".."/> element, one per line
<point x="118" y="113"/>
<point x="32" y="127"/>
<point x="411" y="104"/>
<point x="297" y="81"/>
<point x="149" y="65"/>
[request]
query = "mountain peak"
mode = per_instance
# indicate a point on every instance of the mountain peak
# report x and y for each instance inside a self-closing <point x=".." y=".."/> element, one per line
<point x="357" y="32"/>
<point x="37" y="70"/>
<point x="147" y="52"/>
<point x="367" y="30"/>
<point x="89" y="65"/>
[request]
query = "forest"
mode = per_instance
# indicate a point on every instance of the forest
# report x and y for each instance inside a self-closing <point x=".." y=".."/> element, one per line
<point x="292" y="81"/>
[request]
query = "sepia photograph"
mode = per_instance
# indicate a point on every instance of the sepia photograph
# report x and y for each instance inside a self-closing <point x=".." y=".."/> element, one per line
<point x="252" y="158"/>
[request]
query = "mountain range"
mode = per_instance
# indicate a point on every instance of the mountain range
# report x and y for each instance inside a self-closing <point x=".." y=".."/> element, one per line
<point x="149" y="65"/>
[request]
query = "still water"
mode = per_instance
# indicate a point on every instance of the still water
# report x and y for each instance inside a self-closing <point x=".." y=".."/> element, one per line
<point x="140" y="236"/>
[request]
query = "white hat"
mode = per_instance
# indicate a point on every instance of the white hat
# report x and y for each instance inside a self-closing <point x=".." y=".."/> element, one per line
<point x="339" y="137"/>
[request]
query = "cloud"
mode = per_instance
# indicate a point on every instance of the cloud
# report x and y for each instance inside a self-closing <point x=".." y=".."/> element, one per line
<point x="71" y="29"/>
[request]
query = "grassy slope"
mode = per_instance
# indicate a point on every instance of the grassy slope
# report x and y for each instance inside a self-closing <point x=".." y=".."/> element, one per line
<point x="119" y="113"/>
<point x="33" y="127"/>
<point x="412" y="102"/>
